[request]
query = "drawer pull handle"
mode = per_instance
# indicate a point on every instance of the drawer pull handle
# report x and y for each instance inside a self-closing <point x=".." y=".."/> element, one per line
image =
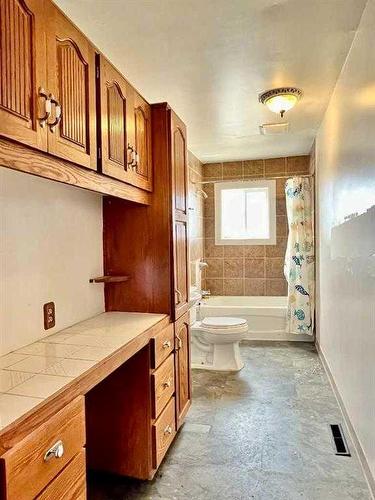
<point x="168" y="430"/>
<point x="167" y="344"/>
<point x="56" y="451"/>
<point x="167" y="384"/>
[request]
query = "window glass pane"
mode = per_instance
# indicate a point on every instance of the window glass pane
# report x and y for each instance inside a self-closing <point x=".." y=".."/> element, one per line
<point x="257" y="214"/>
<point x="233" y="218"/>
<point x="245" y="213"/>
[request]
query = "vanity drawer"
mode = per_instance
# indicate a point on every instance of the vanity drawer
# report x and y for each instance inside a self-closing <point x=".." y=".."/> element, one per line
<point x="162" y="345"/>
<point x="70" y="484"/>
<point x="163" y="432"/>
<point x="162" y="385"/>
<point x="27" y="463"/>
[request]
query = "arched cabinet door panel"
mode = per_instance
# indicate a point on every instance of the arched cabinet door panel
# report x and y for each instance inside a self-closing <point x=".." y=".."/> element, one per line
<point x="71" y="82"/>
<point x="182" y="368"/>
<point x="142" y="135"/>
<point x="23" y="72"/>
<point x="114" y="121"/>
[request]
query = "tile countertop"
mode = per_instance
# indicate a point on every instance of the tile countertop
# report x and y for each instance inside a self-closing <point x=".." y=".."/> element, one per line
<point x="33" y="373"/>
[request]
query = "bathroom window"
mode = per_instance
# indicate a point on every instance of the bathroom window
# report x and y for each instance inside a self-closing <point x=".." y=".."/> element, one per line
<point x="245" y="213"/>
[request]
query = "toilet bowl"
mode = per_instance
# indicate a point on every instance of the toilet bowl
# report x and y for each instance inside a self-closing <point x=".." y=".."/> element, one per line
<point x="215" y="343"/>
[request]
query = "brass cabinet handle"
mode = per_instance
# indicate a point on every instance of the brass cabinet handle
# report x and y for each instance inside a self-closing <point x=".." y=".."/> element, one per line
<point x="129" y="149"/>
<point x="47" y="107"/>
<point x="168" y="430"/>
<point x="58" y="111"/>
<point x="167" y="384"/>
<point x="166" y="344"/>
<point x="179" y="295"/>
<point x="179" y="342"/>
<point x="56" y="451"/>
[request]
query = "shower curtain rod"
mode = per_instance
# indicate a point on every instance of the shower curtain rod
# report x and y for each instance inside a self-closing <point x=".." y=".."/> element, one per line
<point x="214" y="181"/>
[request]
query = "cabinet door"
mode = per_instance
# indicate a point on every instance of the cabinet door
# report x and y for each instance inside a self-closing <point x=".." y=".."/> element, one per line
<point x="179" y="167"/>
<point x="180" y="216"/>
<point x="114" y="122"/>
<point x="180" y="264"/>
<point x="23" y="71"/>
<point x="183" y="370"/>
<point x="71" y="80"/>
<point x="142" y="139"/>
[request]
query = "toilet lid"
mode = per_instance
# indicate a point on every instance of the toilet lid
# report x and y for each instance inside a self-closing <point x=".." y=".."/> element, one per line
<point x="223" y="322"/>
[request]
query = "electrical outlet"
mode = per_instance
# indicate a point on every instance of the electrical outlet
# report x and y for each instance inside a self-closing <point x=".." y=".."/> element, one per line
<point x="49" y="315"/>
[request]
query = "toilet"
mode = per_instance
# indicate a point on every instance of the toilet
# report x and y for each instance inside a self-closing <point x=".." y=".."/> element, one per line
<point x="215" y="342"/>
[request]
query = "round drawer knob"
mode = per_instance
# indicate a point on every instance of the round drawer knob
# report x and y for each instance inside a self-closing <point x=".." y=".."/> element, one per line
<point x="56" y="451"/>
<point x="167" y="344"/>
<point x="168" y="430"/>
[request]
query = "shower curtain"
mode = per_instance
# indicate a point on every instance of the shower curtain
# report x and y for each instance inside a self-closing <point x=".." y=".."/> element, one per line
<point x="299" y="268"/>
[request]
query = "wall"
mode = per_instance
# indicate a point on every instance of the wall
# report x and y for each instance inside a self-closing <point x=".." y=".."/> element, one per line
<point x="248" y="270"/>
<point x="345" y="169"/>
<point x="195" y="220"/>
<point x="51" y="245"/>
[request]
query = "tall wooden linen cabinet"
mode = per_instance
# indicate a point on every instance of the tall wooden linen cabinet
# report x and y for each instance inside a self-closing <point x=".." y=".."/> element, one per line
<point x="150" y="245"/>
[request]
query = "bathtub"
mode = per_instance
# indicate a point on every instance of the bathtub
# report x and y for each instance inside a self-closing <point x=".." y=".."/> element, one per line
<point x="266" y="316"/>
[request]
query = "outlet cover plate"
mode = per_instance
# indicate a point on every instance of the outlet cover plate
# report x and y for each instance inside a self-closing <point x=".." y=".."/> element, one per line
<point x="49" y="315"/>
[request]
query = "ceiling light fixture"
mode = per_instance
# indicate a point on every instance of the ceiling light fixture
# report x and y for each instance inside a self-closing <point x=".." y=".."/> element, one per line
<point x="281" y="100"/>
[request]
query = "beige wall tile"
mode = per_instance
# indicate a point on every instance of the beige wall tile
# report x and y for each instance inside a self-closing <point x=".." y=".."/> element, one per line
<point x="254" y="268"/>
<point x="211" y="250"/>
<point x="215" y="286"/>
<point x="232" y="169"/>
<point x="298" y="165"/>
<point x="209" y="227"/>
<point x="275" y="267"/>
<point x="280" y="187"/>
<point x="276" y="286"/>
<point x="281" y="225"/>
<point x="233" y="268"/>
<point x="215" y="268"/>
<point x="233" y="286"/>
<point x="253" y="168"/>
<point x="255" y="286"/>
<point x="213" y="170"/>
<point x="274" y="166"/>
<point x="277" y="250"/>
<point x="280" y="205"/>
<point x="251" y="251"/>
<point x="233" y="251"/>
<point x="209" y="207"/>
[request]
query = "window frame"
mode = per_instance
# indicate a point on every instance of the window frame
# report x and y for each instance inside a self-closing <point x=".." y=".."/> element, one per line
<point x="270" y="184"/>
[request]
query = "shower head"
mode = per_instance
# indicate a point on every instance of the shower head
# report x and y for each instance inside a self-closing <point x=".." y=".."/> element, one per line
<point x="203" y="193"/>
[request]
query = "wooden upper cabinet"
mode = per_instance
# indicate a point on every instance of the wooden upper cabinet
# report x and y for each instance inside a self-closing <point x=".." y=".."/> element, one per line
<point x="142" y="141"/>
<point x="113" y="121"/>
<point x="125" y="125"/>
<point x="182" y="368"/>
<point x="179" y="167"/>
<point x="71" y="82"/>
<point x="23" y="71"/>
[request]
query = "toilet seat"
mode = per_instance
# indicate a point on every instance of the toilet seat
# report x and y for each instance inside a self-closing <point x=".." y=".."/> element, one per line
<point x="223" y="323"/>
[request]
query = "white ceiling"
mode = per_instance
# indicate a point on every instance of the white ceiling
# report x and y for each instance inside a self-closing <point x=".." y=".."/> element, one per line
<point x="211" y="58"/>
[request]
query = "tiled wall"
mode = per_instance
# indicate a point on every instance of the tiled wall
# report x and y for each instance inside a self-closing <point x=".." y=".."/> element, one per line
<point x="248" y="270"/>
<point x="195" y="217"/>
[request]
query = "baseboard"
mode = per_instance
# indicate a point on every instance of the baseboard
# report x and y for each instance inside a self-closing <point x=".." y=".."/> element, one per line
<point x="278" y="336"/>
<point x="358" y="448"/>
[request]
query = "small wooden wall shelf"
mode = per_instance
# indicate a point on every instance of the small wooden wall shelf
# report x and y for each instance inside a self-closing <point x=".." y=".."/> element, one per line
<point x="109" y="279"/>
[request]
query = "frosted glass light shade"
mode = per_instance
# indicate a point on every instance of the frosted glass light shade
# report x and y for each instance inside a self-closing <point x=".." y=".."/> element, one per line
<point x="281" y="100"/>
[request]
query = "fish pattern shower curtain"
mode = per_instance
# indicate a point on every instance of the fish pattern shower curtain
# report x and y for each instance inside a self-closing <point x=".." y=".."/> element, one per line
<point x="299" y="267"/>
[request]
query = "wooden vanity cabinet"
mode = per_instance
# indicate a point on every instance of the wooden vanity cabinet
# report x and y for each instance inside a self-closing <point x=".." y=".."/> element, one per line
<point x="47" y="81"/>
<point x="124" y="124"/>
<point x="182" y="368"/>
